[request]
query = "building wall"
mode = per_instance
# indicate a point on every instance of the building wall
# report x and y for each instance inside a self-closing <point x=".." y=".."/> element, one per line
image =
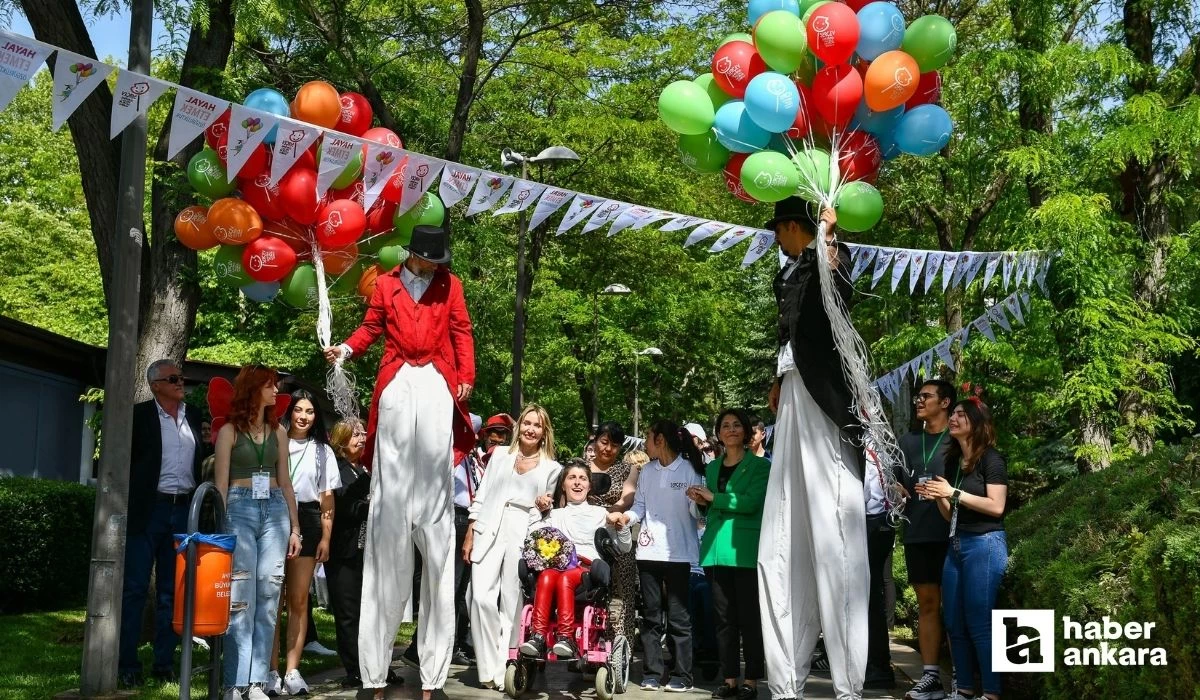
<point x="41" y="425"/>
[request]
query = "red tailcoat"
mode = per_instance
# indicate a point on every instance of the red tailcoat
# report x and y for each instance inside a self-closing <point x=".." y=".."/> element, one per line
<point x="436" y="329"/>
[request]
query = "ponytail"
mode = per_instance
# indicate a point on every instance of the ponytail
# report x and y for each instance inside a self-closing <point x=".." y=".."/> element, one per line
<point x="680" y="441"/>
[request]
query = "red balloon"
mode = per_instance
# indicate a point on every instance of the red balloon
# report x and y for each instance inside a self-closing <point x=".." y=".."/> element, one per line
<point x="734" y="65"/>
<point x="837" y="90"/>
<point x="859" y="156"/>
<point x="833" y="33"/>
<point x="308" y="159"/>
<point x="857" y="5"/>
<point x="255" y="164"/>
<point x="356" y="193"/>
<point x="298" y="191"/>
<point x="297" y="237"/>
<point x="356" y="114"/>
<point x="733" y="177"/>
<point x="379" y="219"/>
<point x="217" y="129"/>
<point x="394" y="189"/>
<point x="929" y="90"/>
<point x="265" y="199"/>
<point x="268" y="259"/>
<point x="382" y="135"/>
<point x="339" y="224"/>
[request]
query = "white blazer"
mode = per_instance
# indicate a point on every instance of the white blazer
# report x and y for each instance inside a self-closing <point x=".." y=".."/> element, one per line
<point x="487" y="509"/>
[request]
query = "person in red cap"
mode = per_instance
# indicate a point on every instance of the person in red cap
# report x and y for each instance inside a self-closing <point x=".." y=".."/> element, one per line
<point x="417" y="430"/>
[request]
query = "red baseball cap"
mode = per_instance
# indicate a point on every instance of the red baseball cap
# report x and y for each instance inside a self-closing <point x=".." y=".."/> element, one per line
<point x="500" y="421"/>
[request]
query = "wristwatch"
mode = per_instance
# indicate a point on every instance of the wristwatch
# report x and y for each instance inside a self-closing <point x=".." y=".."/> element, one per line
<point x="954" y="496"/>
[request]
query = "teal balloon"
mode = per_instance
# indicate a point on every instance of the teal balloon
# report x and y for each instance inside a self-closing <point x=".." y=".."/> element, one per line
<point x="859" y="206"/>
<point x="761" y="8"/>
<point x="703" y="153"/>
<point x="768" y="176"/>
<point x="781" y="40"/>
<point x="737" y="36"/>
<point x="207" y="176"/>
<point x="931" y="41"/>
<point x="299" y="288"/>
<point x="715" y="94"/>
<point x="686" y="108"/>
<point x="272" y="101"/>
<point x="429" y="211"/>
<point x="391" y="256"/>
<point x="813" y="166"/>
<point x="262" y="292"/>
<point x="227" y="266"/>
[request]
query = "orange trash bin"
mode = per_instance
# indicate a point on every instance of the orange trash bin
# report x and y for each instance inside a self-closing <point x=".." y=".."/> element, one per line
<point x="214" y="567"/>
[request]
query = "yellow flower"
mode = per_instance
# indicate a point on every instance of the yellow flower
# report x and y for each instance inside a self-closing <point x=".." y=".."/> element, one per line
<point x="548" y="548"/>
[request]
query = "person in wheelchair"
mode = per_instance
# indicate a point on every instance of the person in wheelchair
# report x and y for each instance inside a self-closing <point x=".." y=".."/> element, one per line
<point x="592" y="529"/>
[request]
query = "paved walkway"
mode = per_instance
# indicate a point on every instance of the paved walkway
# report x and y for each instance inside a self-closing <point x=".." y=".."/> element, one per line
<point x="560" y="684"/>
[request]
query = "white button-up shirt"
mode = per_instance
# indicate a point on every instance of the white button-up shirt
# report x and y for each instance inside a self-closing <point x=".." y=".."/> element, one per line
<point x="178" y="451"/>
<point x="668" y="516"/>
<point x="415" y="284"/>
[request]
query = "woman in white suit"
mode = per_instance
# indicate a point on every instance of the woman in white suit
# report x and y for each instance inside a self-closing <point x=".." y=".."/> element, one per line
<point x="516" y="489"/>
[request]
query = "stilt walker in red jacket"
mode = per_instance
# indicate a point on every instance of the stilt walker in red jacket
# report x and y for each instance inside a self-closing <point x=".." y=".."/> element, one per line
<point x="418" y="423"/>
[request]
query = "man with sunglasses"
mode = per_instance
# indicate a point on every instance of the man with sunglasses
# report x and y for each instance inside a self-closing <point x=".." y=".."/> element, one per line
<point x="164" y="470"/>
<point x="927" y="534"/>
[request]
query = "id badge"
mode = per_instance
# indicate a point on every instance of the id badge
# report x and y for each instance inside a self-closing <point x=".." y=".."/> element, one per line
<point x="261" y="485"/>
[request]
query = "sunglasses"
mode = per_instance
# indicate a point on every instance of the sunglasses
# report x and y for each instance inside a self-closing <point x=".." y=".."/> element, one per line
<point x="172" y="379"/>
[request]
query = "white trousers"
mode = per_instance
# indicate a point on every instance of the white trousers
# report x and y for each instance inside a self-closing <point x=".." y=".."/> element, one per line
<point x="496" y="596"/>
<point x="411" y="503"/>
<point x="812" y="555"/>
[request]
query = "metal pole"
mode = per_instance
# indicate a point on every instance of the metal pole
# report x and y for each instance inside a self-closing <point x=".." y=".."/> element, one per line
<point x="189" y="597"/>
<point x="518" y="351"/>
<point x="102" y="629"/>
<point x="636" y="409"/>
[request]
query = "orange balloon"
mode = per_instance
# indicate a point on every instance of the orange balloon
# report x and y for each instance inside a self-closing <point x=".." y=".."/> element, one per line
<point x="366" y="284"/>
<point x="192" y="229"/>
<point x="319" y="103"/>
<point x="338" y="260"/>
<point x="234" y="222"/>
<point x="891" y="79"/>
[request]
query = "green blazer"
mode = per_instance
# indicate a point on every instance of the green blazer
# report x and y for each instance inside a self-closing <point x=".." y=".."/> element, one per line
<point x="735" y="517"/>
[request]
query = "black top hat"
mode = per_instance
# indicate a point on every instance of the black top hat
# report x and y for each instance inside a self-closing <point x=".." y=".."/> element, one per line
<point x="431" y="242"/>
<point x="793" y="209"/>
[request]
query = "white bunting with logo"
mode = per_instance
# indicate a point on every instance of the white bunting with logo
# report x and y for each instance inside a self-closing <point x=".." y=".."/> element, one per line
<point x="883" y="260"/>
<point x="551" y="201"/>
<point x="943" y="351"/>
<point x="382" y="161"/>
<point x="708" y="230"/>
<point x="914" y="270"/>
<point x="977" y="261"/>
<point x="581" y="207"/>
<point x="949" y="262"/>
<point x="292" y="140"/>
<point x="523" y="194"/>
<point x="933" y="265"/>
<point x="763" y="240"/>
<point x="20" y="58"/>
<point x="1008" y="268"/>
<point x="457" y="181"/>
<point x="193" y="113"/>
<point x="75" y="77"/>
<point x="1014" y="307"/>
<point x="731" y="238"/>
<point x="628" y="218"/>
<point x="996" y="313"/>
<point x="490" y="189"/>
<point x="605" y="215"/>
<point x="862" y="259"/>
<point x="983" y="326"/>
<point x="993" y="261"/>
<point x="655" y="215"/>
<point x="132" y="98"/>
<point x="680" y="223"/>
<point x="419" y="175"/>
<point x="337" y="150"/>
<point x="247" y="129"/>
<point x="900" y="266"/>
<point x="960" y="270"/>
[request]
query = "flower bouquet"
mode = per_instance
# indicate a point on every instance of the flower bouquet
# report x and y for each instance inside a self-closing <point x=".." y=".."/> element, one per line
<point x="548" y="548"/>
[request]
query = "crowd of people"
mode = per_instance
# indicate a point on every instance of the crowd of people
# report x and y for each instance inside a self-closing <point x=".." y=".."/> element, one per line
<point x="787" y="544"/>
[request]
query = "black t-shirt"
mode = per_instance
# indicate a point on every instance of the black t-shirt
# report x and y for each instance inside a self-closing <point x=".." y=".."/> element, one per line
<point x="927" y="456"/>
<point x="724" y="475"/>
<point x="992" y="468"/>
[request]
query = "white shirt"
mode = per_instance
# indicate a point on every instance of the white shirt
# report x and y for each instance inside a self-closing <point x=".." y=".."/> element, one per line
<point x="873" y="486"/>
<point x="786" y="361"/>
<point x="178" y="451"/>
<point x="415" y="284"/>
<point x="302" y="465"/>
<point x="668" y="516"/>
<point x="579" y="522"/>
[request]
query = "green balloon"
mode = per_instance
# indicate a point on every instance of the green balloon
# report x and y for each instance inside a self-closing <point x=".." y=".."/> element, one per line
<point x="703" y="153"/>
<point x="859" y="206"/>
<point x="391" y="256"/>
<point x="813" y="165"/>
<point x="347" y="284"/>
<point x="714" y="91"/>
<point x="207" y="176"/>
<point x="227" y="267"/>
<point x="299" y="288"/>
<point x="806" y="12"/>
<point x="769" y="176"/>
<point x="737" y="36"/>
<point x="428" y="212"/>
<point x="807" y="69"/>
<point x="686" y="108"/>
<point x="349" y="174"/>
<point x="931" y="41"/>
<point x="781" y="40"/>
<point x="372" y="245"/>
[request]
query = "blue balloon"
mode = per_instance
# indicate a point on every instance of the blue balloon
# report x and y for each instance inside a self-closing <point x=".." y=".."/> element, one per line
<point x="772" y="101"/>
<point x="878" y="123"/>
<point x="880" y="29"/>
<point x="262" y="292"/>
<point x="270" y="101"/>
<point x="758" y="8"/>
<point x="887" y="146"/>
<point x="923" y="130"/>
<point x="737" y="131"/>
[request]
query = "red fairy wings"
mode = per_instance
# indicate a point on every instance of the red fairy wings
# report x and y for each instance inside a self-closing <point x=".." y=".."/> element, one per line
<point x="220" y="402"/>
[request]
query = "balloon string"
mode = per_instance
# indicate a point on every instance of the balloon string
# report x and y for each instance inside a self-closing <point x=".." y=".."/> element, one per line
<point x="339" y="383"/>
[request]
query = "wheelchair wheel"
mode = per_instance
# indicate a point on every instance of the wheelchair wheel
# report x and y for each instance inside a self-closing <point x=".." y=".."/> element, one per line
<point x="605" y="686"/>
<point x="618" y="663"/>
<point x="516" y="679"/>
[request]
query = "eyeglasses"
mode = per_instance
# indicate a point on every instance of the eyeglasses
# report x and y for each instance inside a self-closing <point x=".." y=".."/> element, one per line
<point x="171" y="379"/>
<point x="923" y="397"/>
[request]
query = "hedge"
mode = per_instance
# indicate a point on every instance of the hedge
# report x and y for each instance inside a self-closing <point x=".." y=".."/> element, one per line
<point x="1123" y="542"/>
<point x="44" y="549"/>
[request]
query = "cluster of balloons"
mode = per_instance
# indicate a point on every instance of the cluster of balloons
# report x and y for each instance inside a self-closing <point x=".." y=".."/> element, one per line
<point x="814" y="101"/>
<point x="267" y="235"/>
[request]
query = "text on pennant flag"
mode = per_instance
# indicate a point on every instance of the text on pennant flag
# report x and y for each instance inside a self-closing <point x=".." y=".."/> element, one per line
<point x="883" y="259"/>
<point x="419" y="175"/>
<point x="457" y="182"/>
<point x="490" y="189"/>
<point x="679" y="223"/>
<point x="75" y="77"/>
<point x="523" y="194"/>
<point x="628" y="218"/>
<point x="949" y="262"/>
<point x="650" y="218"/>
<point x="551" y="201"/>
<point x="292" y="140"/>
<point x="899" y="267"/>
<point x="763" y="240"/>
<point x="132" y="98"/>
<point x="20" y="58"/>
<point x="337" y="150"/>
<point x="193" y="113"/>
<point x="933" y="265"/>
<point x="731" y="238"/>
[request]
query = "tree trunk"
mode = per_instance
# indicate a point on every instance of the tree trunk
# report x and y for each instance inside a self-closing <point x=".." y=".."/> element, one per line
<point x="1097" y="444"/>
<point x="1031" y="26"/>
<point x="472" y="48"/>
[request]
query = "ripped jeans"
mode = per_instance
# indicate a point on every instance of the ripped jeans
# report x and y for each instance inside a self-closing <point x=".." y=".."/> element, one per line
<point x="262" y="528"/>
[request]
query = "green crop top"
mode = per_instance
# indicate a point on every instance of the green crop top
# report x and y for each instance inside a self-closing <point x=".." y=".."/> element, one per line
<point x="244" y="460"/>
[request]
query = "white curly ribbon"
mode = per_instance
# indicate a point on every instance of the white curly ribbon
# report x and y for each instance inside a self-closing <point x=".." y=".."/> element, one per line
<point x="339" y="383"/>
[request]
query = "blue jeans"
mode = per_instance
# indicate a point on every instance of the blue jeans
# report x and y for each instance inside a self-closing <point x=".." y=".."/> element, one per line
<point x="152" y="548"/>
<point x="971" y="577"/>
<point x="262" y="528"/>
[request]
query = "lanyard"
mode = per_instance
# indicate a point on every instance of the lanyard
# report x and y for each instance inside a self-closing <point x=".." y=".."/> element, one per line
<point x="300" y="460"/>
<point x="926" y="456"/>
<point x="954" y="513"/>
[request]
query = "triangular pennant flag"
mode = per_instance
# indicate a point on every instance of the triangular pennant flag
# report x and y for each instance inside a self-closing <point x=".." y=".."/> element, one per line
<point x="680" y="223"/>
<point x="915" y="268"/>
<point x="247" y="129"/>
<point x="419" y="175"/>
<point x="382" y="162"/>
<point x="490" y="189"/>
<point x="1013" y="304"/>
<point x="550" y="201"/>
<point x="913" y="367"/>
<point x="1025" y="300"/>
<point x="983" y="326"/>
<point x="933" y="264"/>
<point x="731" y="238"/>
<point x="628" y="218"/>
<point x="1022" y="266"/>
<point x="1008" y="268"/>
<point x="583" y="206"/>
<point x="964" y="334"/>
<point x="523" y="194"/>
<point x="883" y="259"/>
<point x="457" y="181"/>
<point x="965" y="260"/>
<point x="292" y="140"/>
<point x="977" y="262"/>
<point x="993" y="261"/>
<point x="1032" y="268"/>
<point x="1044" y="270"/>
<point x="193" y="113"/>
<point x="75" y="77"/>
<point x="605" y="215"/>
<point x="899" y="267"/>
<point x="943" y="351"/>
<point x="655" y="215"/>
<point x="927" y="363"/>
<point x="763" y="240"/>
<point x="711" y="228"/>
<point x="132" y="98"/>
<point x="902" y="372"/>
<point x="996" y="313"/>
<point x="865" y="255"/>
<point x="20" y="58"/>
<point x="949" y="262"/>
<point x="337" y="150"/>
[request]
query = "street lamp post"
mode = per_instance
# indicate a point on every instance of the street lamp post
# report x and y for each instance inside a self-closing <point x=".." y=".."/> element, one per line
<point x="637" y="415"/>
<point x="509" y="159"/>
<point x="612" y="289"/>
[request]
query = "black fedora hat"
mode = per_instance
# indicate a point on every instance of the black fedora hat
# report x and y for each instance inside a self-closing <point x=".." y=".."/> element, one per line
<point x="793" y="209"/>
<point x="431" y="243"/>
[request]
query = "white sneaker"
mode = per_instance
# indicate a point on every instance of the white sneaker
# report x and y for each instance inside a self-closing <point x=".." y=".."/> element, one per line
<point x="255" y="693"/>
<point x="294" y="684"/>
<point x="231" y="694"/>
<point x="318" y="649"/>
<point x="274" y="685"/>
